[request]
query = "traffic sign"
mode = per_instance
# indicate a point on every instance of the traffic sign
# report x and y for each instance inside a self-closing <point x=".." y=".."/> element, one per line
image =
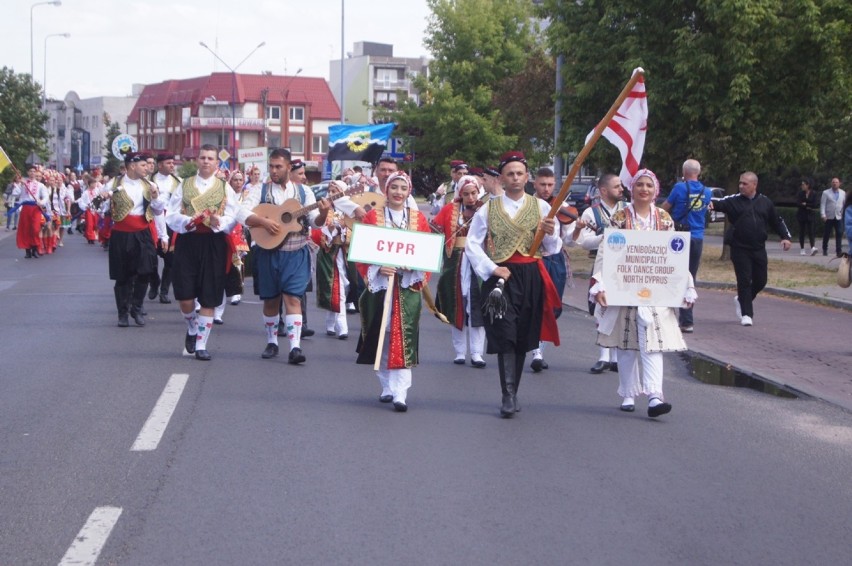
<point x="224" y="155"/>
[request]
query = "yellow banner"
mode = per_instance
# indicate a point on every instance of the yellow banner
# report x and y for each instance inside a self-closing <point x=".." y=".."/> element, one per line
<point x="4" y="160"/>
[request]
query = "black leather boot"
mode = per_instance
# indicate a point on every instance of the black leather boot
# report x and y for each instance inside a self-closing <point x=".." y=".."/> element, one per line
<point x="520" y="358"/>
<point x="121" y="299"/>
<point x="140" y="285"/>
<point x="506" y="367"/>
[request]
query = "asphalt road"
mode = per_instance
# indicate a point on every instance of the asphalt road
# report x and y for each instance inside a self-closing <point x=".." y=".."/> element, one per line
<point x="266" y="463"/>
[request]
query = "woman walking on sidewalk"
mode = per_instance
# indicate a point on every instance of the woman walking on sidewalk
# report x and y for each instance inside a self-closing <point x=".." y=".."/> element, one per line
<point x="807" y="202"/>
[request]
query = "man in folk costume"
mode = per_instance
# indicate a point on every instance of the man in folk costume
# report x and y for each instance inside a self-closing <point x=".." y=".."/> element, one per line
<point x="34" y="200"/>
<point x="557" y="264"/>
<point x="400" y="351"/>
<point x="333" y="269"/>
<point x="167" y="182"/>
<point x="588" y="233"/>
<point x="284" y="273"/>
<point x="498" y="243"/>
<point x="447" y="192"/>
<point x="134" y="201"/>
<point x="458" y="296"/>
<point x="202" y="211"/>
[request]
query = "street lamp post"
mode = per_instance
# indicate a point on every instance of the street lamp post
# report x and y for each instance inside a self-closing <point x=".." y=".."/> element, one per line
<point x="233" y="88"/>
<point x="285" y="131"/>
<point x="52" y="3"/>
<point x="44" y="78"/>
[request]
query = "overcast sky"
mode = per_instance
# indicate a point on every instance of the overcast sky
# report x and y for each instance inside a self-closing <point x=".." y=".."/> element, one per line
<point x="115" y="43"/>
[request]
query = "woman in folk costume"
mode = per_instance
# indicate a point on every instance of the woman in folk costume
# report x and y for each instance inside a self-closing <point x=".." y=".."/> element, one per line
<point x="458" y="296"/>
<point x="332" y="276"/>
<point x="641" y="334"/>
<point x="55" y="211"/>
<point x="238" y="249"/>
<point x="88" y="203"/>
<point x="400" y="350"/>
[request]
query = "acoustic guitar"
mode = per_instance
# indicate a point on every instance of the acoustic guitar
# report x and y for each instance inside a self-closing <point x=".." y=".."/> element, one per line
<point x="289" y="215"/>
<point x="368" y="201"/>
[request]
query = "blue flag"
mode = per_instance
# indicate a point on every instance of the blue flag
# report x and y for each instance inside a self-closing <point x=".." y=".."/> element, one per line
<point x="364" y="142"/>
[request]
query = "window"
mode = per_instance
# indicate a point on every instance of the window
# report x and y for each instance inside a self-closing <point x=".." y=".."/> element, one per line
<point x="274" y="141"/>
<point x="320" y="144"/>
<point x="159" y="141"/>
<point x="160" y="118"/>
<point x="297" y="113"/>
<point x="273" y="112"/>
<point x="386" y="76"/>
<point x="214" y="138"/>
<point x="297" y="143"/>
<point x="95" y="149"/>
<point x="185" y="114"/>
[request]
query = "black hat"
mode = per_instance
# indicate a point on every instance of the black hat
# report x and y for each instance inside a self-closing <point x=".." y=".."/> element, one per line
<point x="134" y="157"/>
<point x="296" y="164"/>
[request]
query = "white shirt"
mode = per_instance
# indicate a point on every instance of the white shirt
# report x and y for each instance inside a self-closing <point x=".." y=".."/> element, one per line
<point x="278" y="194"/>
<point x="135" y="190"/>
<point x="476" y="235"/>
<point x="39" y="193"/>
<point x="177" y="221"/>
<point x="589" y="239"/>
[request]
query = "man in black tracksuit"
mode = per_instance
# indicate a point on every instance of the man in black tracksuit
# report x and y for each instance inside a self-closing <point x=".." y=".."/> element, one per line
<point x="749" y="213"/>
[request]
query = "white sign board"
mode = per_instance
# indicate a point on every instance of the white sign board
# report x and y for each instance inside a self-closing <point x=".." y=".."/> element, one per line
<point x="378" y="245"/>
<point x="252" y="155"/>
<point x="645" y="268"/>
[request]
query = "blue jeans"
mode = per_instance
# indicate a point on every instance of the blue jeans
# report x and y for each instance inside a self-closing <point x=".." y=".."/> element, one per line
<point x="12" y="212"/>
<point x="695" y="248"/>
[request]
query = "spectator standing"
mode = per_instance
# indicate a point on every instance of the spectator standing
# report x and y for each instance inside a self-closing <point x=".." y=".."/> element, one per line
<point x="806" y="202"/>
<point x="13" y="195"/>
<point x="749" y="214"/>
<point x="831" y="210"/>
<point x="687" y="204"/>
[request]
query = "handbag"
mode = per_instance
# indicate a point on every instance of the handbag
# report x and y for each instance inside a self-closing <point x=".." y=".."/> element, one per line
<point x="844" y="271"/>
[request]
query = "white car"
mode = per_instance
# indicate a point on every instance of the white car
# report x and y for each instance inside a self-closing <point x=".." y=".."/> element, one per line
<point x="716" y="194"/>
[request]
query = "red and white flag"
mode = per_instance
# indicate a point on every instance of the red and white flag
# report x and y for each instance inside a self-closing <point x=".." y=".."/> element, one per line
<point x="627" y="130"/>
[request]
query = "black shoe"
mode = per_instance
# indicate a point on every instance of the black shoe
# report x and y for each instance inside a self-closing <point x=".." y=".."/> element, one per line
<point x="164" y="299"/>
<point x="330" y="332"/>
<point x="343" y="337"/>
<point x="29" y="254"/>
<point x="478" y="363"/>
<point x="202" y="355"/>
<point x="138" y="318"/>
<point x="537" y="365"/>
<point x="218" y="321"/>
<point x="123" y="320"/>
<point x="628" y="408"/>
<point x="385" y="398"/>
<point x="660" y="409"/>
<point x="189" y="343"/>
<point x="270" y="351"/>
<point x="600" y="367"/>
<point x="613" y="366"/>
<point x="152" y="294"/>
<point x="399" y="406"/>
<point x="307" y="332"/>
<point x="507" y="409"/>
<point x="296" y="356"/>
<point x="459" y="361"/>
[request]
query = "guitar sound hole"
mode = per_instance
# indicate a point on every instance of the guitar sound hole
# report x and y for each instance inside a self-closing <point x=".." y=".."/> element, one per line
<point x="286" y="218"/>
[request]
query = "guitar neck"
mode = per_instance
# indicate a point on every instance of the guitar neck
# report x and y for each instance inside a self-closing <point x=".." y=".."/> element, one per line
<point x="306" y="209"/>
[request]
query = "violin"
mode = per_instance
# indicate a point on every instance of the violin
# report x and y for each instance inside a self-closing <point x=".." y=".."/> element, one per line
<point x="567" y="215"/>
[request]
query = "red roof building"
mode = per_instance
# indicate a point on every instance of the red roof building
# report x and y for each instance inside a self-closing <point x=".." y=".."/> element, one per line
<point x="236" y="111"/>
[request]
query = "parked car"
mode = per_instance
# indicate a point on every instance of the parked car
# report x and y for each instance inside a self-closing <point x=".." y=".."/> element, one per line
<point x="582" y="195"/>
<point x="716" y="194"/>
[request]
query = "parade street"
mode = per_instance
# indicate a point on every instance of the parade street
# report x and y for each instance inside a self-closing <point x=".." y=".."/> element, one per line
<point x="115" y="449"/>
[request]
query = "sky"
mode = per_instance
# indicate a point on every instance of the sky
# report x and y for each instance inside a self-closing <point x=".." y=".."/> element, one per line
<point x="115" y="43"/>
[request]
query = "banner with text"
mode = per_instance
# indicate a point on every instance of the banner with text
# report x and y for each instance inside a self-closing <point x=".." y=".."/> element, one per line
<point x="396" y="248"/>
<point x="645" y="268"/>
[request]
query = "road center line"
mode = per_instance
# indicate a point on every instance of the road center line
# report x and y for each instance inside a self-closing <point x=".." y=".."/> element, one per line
<point x="151" y="433"/>
<point x="90" y="540"/>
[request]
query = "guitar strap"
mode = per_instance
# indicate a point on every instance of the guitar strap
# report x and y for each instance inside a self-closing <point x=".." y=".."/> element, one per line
<point x="264" y="193"/>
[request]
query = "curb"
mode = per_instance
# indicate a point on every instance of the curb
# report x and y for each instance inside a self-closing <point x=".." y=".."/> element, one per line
<point x="785" y="293"/>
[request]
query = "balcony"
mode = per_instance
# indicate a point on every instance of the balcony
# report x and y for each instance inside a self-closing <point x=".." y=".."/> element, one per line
<point x="381" y="83"/>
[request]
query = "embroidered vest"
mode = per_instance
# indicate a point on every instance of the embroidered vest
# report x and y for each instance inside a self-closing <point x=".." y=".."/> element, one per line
<point x="509" y="235"/>
<point x="213" y="200"/>
<point x="121" y="204"/>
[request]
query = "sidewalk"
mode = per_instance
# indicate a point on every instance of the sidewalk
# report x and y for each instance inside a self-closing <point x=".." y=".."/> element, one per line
<point x="795" y="343"/>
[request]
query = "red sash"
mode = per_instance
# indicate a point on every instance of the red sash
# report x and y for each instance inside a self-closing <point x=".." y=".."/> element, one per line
<point x="135" y="223"/>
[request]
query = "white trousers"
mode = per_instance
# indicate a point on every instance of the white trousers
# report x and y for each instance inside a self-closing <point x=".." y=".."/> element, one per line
<point x="460" y="341"/>
<point x="220" y="310"/>
<point x="395" y="382"/>
<point x="640" y="372"/>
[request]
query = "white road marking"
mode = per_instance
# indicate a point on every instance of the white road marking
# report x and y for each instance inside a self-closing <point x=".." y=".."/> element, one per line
<point x="151" y="433"/>
<point x="90" y="540"/>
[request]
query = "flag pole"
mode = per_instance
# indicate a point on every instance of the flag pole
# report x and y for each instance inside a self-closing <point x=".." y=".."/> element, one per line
<point x="385" y="311"/>
<point x="581" y="157"/>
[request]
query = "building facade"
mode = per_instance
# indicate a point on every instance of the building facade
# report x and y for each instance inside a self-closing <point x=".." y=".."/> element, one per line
<point x="236" y="111"/>
<point x="77" y="129"/>
<point x="373" y="77"/>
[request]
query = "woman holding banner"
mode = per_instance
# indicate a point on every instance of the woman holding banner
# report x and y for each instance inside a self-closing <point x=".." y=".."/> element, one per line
<point x="641" y="334"/>
<point x="400" y="348"/>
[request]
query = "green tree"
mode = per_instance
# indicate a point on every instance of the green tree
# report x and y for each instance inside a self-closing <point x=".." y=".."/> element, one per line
<point x="22" y="129"/>
<point x="113" y="165"/>
<point x="487" y="89"/>
<point x="736" y="84"/>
